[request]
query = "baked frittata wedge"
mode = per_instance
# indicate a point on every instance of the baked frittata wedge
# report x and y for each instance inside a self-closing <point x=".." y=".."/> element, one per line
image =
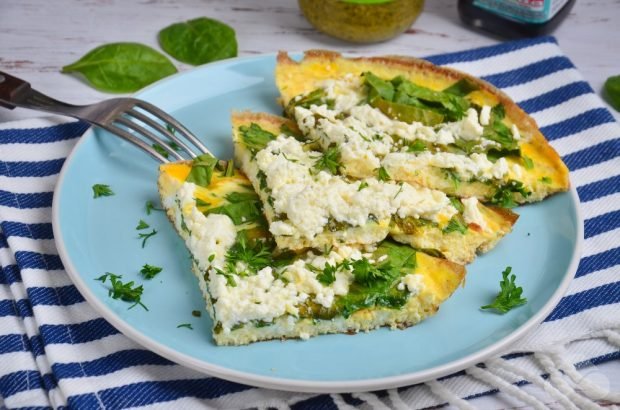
<point x="254" y="292"/>
<point x="309" y="203"/>
<point x="420" y="123"/>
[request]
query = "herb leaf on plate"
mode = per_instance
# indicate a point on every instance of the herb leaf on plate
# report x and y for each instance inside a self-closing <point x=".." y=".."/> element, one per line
<point x="122" y="67"/>
<point x="100" y="190"/>
<point x="199" y="41"/>
<point x="509" y="295"/>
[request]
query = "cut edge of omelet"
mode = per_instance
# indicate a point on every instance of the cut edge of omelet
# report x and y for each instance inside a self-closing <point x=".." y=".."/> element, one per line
<point x="454" y="246"/>
<point x="549" y="175"/>
<point x="439" y="278"/>
<point x="368" y="234"/>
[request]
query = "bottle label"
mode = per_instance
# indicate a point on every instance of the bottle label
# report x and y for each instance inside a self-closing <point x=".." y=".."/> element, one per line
<point x="523" y="11"/>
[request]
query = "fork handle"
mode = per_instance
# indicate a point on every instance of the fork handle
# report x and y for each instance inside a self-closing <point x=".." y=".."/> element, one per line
<point x="12" y="90"/>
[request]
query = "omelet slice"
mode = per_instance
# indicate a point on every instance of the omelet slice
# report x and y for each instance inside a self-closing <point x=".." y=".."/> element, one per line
<point x="420" y="123"/>
<point x="254" y="291"/>
<point x="310" y="201"/>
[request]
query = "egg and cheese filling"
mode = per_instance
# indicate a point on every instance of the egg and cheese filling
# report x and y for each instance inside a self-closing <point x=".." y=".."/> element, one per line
<point x="248" y="283"/>
<point x="307" y="197"/>
<point x="406" y="129"/>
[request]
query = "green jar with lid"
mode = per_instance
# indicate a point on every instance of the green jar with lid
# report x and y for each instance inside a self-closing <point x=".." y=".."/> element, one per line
<point x="362" y="21"/>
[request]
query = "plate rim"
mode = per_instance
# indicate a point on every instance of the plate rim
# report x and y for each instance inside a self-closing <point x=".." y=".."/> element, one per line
<point x="296" y="385"/>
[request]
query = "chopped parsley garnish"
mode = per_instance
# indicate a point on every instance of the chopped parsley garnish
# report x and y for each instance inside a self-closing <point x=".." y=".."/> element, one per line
<point x="161" y="150"/>
<point x="457" y="204"/>
<point x="366" y="273"/>
<point x="527" y="162"/>
<point x="455" y="225"/>
<point x="230" y="280"/>
<point x="185" y="325"/>
<point x="142" y="225"/>
<point x="150" y="271"/>
<point x="382" y="174"/>
<point x="254" y="254"/>
<point x="546" y="180"/>
<point x="504" y="196"/>
<point x="146" y="236"/>
<point x="202" y="170"/>
<point x="262" y="181"/>
<point x="330" y="160"/>
<point x="328" y="275"/>
<point x="150" y="206"/>
<point x="100" y="190"/>
<point x="400" y="184"/>
<point x="509" y="295"/>
<point x="196" y="313"/>
<point x="124" y="291"/>
<point x="363" y="185"/>
<point x="416" y="146"/>
<point x="453" y="177"/>
<point x="255" y="138"/>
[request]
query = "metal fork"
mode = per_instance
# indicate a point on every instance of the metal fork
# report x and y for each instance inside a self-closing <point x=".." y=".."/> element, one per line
<point x="131" y="119"/>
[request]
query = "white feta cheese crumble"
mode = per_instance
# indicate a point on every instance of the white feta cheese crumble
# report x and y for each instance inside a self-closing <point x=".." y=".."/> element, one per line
<point x="475" y="166"/>
<point x="515" y="132"/>
<point x="255" y="297"/>
<point x="471" y="212"/>
<point x="485" y="115"/>
<point x="413" y="282"/>
<point x="310" y="199"/>
<point x="210" y="235"/>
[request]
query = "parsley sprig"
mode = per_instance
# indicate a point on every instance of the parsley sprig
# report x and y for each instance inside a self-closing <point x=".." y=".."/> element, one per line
<point x="100" y="190"/>
<point x="383" y="175"/>
<point x="150" y="206"/>
<point x="327" y="275"/>
<point x="330" y="160"/>
<point x="123" y="291"/>
<point x="504" y="196"/>
<point x="150" y="271"/>
<point x="142" y="225"/>
<point x="146" y="236"/>
<point x="509" y="295"/>
<point x="367" y="273"/>
<point x="254" y="254"/>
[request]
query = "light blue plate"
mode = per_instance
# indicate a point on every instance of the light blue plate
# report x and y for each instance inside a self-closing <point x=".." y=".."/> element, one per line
<point x="98" y="236"/>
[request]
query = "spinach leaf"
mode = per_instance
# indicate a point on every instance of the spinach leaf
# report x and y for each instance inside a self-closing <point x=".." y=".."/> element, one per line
<point x="199" y="41"/>
<point x="611" y="91"/>
<point x="255" y="138"/>
<point x="499" y="132"/>
<point x="456" y="224"/>
<point x="122" y="67"/>
<point x="202" y="170"/>
<point x="462" y="87"/>
<point x="452" y="106"/>
<point x="242" y="208"/>
<point x="316" y="97"/>
<point x="504" y="195"/>
<point x="378" y="87"/>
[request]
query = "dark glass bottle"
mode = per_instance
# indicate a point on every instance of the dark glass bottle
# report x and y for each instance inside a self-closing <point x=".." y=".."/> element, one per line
<point x="515" y="18"/>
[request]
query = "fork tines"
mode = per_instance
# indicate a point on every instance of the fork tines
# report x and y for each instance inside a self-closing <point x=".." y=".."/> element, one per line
<point x="157" y="133"/>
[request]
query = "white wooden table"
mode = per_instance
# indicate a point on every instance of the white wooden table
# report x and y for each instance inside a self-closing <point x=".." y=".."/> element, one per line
<point x="38" y="37"/>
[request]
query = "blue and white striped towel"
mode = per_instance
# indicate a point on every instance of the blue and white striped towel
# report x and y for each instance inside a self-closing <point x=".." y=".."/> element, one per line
<point x="55" y="350"/>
